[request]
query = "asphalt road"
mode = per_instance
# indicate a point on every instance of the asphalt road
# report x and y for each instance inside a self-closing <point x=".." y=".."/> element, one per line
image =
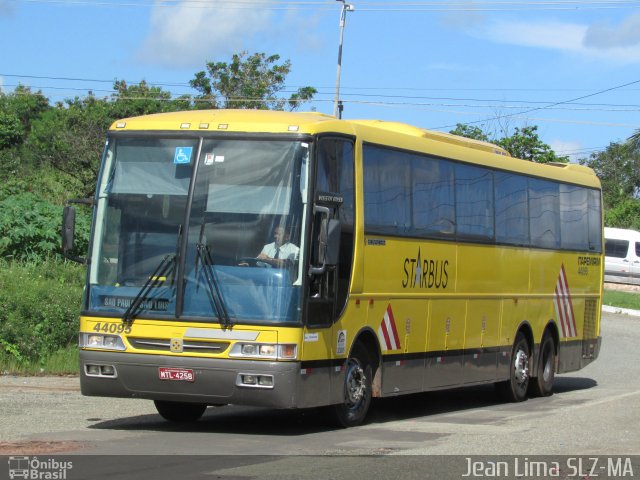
<point x="593" y="413"/>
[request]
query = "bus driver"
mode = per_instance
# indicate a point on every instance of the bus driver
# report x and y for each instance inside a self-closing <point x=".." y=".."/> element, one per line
<point x="280" y="253"/>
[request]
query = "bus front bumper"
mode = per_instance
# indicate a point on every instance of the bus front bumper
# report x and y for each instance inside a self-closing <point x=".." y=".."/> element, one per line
<point x="189" y="379"/>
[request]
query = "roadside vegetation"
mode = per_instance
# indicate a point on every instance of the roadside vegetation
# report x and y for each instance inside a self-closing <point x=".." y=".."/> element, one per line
<point x="50" y="152"/>
<point x="617" y="298"/>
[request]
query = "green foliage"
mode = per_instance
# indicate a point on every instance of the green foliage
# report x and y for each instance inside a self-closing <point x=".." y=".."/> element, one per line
<point x="625" y="214"/>
<point x="469" y="131"/>
<point x="49" y="184"/>
<point x="143" y="99"/>
<point x="10" y="164"/>
<point x="17" y="112"/>
<point x="30" y="226"/>
<point x="618" y="167"/>
<point x="524" y="143"/>
<point x="71" y="139"/>
<point x="248" y="82"/>
<point x="634" y="142"/>
<point x="39" y="305"/>
<point x="11" y="130"/>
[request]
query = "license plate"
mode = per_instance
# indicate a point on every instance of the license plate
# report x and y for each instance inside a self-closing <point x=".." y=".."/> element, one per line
<point x="177" y="374"/>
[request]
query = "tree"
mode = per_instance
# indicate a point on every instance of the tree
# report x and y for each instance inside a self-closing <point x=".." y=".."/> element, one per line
<point x="18" y="110"/>
<point x="526" y="144"/>
<point x="634" y="141"/>
<point x="70" y="138"/>
<point x="618" y="168"/>
<point x="624" y="214"/>
<point x="143" y="99"/>
<point x="473" y="132"/>
<point x="248" y="82"/>
<point x="11" y="130"/>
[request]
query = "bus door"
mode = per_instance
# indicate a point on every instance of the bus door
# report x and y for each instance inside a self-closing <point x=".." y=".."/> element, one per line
<point x="334" y="190"/>
<point x="328" y="288"/>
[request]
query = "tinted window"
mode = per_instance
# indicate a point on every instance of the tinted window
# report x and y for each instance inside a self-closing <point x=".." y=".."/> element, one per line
<point x="544" y="213"/>
<point x="335" y="174"/>
<point x="616" y="248"/>
<point x="416" y="195"/>
<point x="474" y="201"/>
<point x="595" y="221"/>
<point x="574" y="223"/>
<point x="387" y="191"/>
<point x="512" y="209"/>
<point x="433" y="196"/>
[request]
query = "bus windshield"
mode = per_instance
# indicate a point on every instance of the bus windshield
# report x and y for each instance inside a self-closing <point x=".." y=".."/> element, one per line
<point x="200" y="229"/>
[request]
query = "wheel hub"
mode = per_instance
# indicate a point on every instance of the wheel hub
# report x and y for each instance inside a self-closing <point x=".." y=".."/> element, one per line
<point x="356" y="383"/>
<point x="521" y="367"/>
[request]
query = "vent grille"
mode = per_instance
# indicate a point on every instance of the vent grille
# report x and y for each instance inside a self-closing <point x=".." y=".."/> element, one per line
<point x="164" y="344"/>
<point x="589" y="329"/>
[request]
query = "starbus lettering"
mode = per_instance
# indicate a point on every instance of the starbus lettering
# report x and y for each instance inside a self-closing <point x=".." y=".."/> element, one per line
<point x="425" y="273"/>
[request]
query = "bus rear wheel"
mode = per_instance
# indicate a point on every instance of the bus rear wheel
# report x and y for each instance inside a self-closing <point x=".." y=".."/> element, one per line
<point x="515" y="389"/>
<point x="542" y="385"/>
<point x="180" y="412"/>
<point x="357" y="389"/>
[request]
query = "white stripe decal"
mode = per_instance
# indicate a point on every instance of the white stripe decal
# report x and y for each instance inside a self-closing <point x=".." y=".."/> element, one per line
<point x="564" y="306"/>
<point x="387" y="332"/>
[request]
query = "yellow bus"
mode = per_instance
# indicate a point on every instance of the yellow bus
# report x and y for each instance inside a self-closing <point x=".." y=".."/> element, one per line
<point x="293" y="260"/>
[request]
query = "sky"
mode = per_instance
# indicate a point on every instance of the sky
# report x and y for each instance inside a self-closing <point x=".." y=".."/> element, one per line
<point x="572" y="68"/>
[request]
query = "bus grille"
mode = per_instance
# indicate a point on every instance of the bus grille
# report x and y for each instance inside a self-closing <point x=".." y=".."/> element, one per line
<point x="589" y="329"/>
<point x="164" y="344"/>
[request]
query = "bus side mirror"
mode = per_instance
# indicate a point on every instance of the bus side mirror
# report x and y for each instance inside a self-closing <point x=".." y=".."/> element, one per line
<point x="328" y="242"/>
<point x="69" y="230"/>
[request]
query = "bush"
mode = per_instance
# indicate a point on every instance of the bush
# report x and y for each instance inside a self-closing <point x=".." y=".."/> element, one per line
<point x="39" y="308"/>
<point x="30" y="228"/>
<point x="625" y="214"/>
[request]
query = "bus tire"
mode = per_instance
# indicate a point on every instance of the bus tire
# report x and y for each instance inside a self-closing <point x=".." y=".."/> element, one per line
<point x="515" y="389"/>
<point x="357" y="389"/>
<point x="180" y="412"/>
<point x="542" y="384"/>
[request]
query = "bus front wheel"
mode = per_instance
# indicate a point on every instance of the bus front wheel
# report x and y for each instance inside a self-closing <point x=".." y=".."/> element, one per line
<point x="357" y="389"/>
<point x="515" y="389"/>
<point x="542" y="385"/>
<point x="180" y="412"/>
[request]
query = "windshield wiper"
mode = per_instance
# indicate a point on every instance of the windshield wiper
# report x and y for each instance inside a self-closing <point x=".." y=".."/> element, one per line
<point x="213" y="286"/>
<point x="157" y="278"/>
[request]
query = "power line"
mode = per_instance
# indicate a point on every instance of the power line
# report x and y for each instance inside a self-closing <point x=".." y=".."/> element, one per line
<point x="577" y="107"/>
<point x="371" y="103"/>
<point x="500" y="117"/>
<point x="153" y="83"/>
<point x="499" y="103"/>
<point x="383" y="6"/>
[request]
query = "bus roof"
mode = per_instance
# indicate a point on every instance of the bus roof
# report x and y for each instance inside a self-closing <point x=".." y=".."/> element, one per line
<point x="374" y="131"/>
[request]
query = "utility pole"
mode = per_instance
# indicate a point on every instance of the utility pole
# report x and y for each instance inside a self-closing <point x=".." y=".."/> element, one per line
<point x="337" y="104"/>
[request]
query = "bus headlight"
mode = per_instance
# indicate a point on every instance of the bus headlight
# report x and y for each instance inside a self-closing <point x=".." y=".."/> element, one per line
<point x="98" y="340"/>
<point x="279" y="351"/>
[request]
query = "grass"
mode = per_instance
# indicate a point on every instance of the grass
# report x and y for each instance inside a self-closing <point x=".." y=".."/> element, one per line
<point x="616" y="298"/>
<point x="61" y="362"/>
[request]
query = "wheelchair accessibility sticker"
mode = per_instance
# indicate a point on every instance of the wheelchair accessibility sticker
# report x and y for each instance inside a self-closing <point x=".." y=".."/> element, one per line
<point x="182" y="155"/>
